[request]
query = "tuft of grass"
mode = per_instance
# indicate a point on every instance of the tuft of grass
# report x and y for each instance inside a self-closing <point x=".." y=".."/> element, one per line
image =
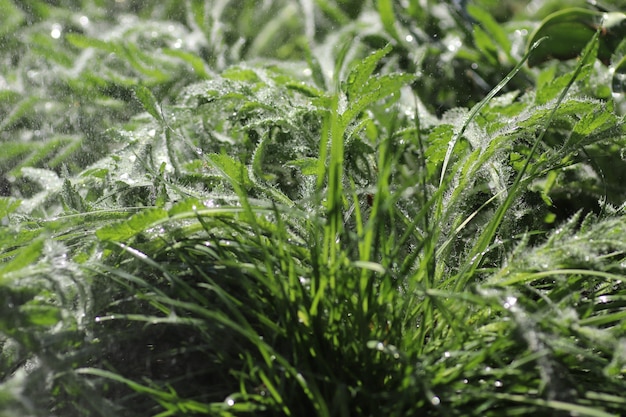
<point x="300" y="220"/>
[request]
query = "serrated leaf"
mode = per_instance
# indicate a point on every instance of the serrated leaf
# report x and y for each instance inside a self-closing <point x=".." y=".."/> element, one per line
<point x="136" y="224"/>
<point x="436" y="152"/>
<point x="72" y="199"/>
<point x="235" y="171"/>
<point x="308" y="166"/>
<point x="594" y="119"/>
<point x="148" y="101"/>
<point x="8" y="206"/>
<point x="362" y="71"/>
<point x="26" y="256"/>
<point x="375" y="89"/>
<point x="551" y="90"/>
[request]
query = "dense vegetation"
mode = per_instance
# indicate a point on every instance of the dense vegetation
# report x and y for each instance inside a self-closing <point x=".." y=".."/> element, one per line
<point x="307" y="208"/>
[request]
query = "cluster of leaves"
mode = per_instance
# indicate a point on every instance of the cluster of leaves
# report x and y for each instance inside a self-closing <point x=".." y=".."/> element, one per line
<point x="312" y="229"/>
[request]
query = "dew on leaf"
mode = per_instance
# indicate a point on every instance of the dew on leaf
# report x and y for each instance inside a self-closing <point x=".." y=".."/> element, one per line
<point x="509" y="302"/>
<point x="454" y="44"/>
<point x="56" y="31"/>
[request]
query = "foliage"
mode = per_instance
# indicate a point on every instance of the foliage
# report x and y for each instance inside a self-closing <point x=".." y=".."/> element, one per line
<point x="306" y="208"/>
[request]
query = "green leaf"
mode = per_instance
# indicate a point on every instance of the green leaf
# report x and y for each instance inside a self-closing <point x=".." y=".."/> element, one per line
<point x="485" y="44"/>
<point x="186" y="206"/>
<point x="41" y="315"/>
<point x="568" y="31"/>
<point x="11" y="17"/>
<point x="387" y="17"/>
<point x="492" y="27"/>
<point x="7" y="206"/>
<point x="316" y="69"/>
<point x="72" y="199"/>
<point x="82" y="41"/>
<point x="133" y="226"/>
<point x="26" y="256"/>
<point x="21" y="110"/>
<point x="235" y="171"/>
<point x="148" y="101"/>
<point x="373" y="90"/>
<point x="362" y="71"/>
<point x="241" y="74"/>
<point x="308" y="166"/>
<point x="198" y="65"/>
<point x="618" y="82"/>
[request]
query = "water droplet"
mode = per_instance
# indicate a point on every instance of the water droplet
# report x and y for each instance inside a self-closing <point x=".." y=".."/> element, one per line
<point x="454" y="44"/>
<point x="510" y="302"/>
<point x="435" y="400"/>
<point x="56" y="31"/>
<point x="83" y="20"/>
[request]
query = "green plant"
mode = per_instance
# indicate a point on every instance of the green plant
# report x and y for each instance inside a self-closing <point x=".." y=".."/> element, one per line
<point x="327" y="236"/>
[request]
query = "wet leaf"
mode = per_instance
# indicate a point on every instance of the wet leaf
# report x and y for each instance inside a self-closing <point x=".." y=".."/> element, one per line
<point x="569" y="31"/>
<point x="26" y="256"/>
<point x="148" y="101"/>
<point x="121" y="232"/>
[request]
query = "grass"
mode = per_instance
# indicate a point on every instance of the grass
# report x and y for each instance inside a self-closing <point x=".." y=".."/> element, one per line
<point x="329" y="208"/>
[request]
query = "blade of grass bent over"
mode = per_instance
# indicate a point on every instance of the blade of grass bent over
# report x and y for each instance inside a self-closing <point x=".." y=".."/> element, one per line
<point x="475" y="256"/>
<point x="477" y="108"/>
